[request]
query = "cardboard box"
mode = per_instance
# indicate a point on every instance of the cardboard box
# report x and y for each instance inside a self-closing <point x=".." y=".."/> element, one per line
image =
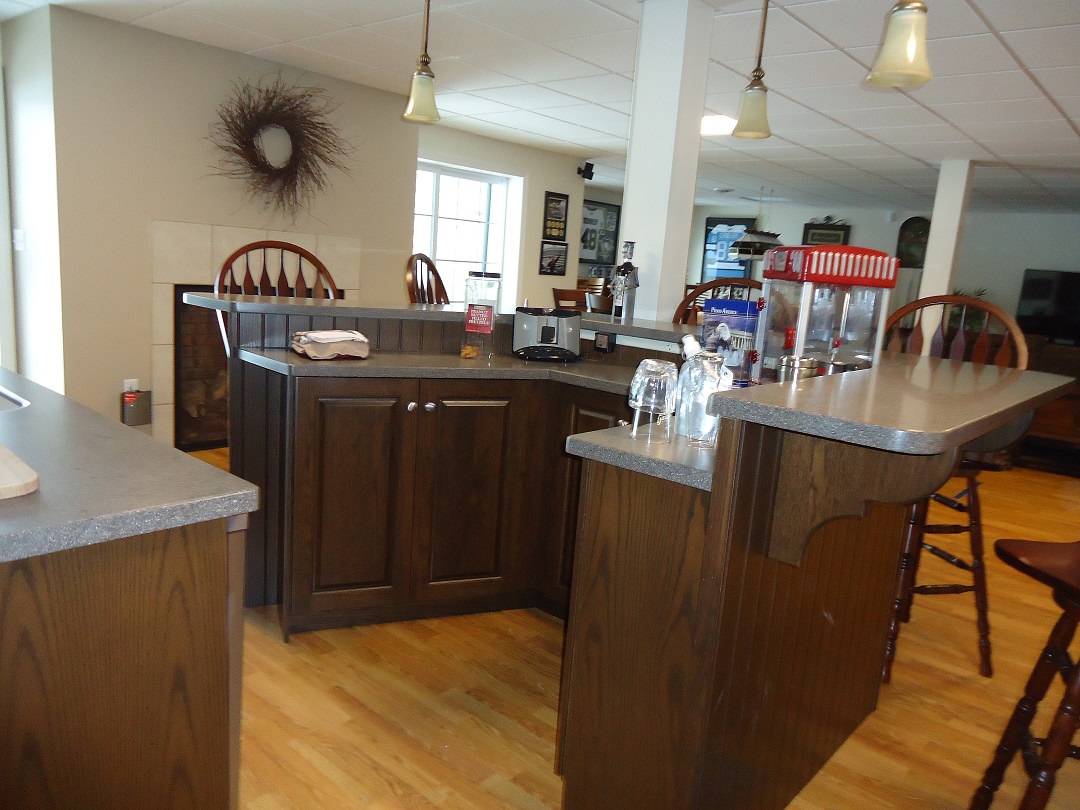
<point x="729" y="327"/>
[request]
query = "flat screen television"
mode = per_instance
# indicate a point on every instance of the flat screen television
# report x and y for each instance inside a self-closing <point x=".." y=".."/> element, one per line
<point x="1050" y="305"/>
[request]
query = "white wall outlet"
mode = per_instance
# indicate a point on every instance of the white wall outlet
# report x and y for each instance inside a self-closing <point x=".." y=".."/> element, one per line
<point x="131" y="384"/>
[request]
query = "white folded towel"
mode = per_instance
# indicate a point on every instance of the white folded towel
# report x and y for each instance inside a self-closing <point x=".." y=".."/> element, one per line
<point x="324" y="344"/>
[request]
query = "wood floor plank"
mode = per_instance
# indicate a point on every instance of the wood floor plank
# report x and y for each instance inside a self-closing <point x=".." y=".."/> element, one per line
<point x="460" y="712"/>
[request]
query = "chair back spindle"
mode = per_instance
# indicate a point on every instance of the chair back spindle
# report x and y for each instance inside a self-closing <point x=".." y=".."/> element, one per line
<point x="423" y="282"/>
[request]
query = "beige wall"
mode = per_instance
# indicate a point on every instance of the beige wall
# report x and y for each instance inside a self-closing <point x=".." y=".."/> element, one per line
<point x="133" y="110"/>
<point x="34" y="218"/>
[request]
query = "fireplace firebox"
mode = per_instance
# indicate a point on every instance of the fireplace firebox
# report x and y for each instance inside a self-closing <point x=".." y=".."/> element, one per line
<point x="200" y="375"/>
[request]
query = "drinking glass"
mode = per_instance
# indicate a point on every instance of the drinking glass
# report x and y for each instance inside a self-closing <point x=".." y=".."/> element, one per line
<point x="652" y="392"/>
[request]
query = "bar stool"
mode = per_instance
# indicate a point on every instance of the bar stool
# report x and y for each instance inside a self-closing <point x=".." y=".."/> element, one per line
<point x="960" y="328"/>
<point x="1058" y="566"/>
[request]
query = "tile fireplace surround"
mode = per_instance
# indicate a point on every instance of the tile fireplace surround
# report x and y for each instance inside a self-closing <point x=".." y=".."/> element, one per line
<point x="192" y="253"/>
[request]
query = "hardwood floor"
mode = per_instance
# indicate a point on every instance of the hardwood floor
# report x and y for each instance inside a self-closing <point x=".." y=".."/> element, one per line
<point x="460" y="712"/>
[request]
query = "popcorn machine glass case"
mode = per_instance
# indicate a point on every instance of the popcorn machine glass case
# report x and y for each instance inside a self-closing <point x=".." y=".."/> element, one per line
<point x="825" y="310"/>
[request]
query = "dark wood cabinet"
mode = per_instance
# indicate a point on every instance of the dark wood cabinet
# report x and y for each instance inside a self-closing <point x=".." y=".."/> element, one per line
<point x="573" y="410"/>
<point x="409" y="498"/>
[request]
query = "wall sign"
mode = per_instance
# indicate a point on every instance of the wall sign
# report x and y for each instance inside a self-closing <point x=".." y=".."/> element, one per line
<point x="820" y="233"/>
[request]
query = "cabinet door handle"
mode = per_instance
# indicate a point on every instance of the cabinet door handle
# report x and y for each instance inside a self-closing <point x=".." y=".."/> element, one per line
<point x="429" y="406"/>
<point x="410" y="407"/>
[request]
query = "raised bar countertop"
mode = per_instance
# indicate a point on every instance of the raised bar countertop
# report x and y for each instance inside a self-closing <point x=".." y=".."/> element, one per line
<point x="590" y="322"/>
<point x="905" y="404"/>
<point x="100" y="480"/>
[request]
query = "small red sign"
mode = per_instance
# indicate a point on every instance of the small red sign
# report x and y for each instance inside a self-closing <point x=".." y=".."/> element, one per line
<point x="479" y="318"/>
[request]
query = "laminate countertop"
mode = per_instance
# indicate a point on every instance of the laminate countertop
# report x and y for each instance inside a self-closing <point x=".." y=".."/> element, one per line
<point x="904" y="404"/>
<point x="100" y="480"/>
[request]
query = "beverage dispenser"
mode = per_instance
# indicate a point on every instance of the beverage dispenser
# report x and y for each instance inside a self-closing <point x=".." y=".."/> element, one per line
<point x="825" y="310"/>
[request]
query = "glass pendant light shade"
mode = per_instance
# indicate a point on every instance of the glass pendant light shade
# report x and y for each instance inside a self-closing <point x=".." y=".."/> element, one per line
<point x="421" y="108"/>
<point x="753" y="112"/>
<point x="902" y="60"/>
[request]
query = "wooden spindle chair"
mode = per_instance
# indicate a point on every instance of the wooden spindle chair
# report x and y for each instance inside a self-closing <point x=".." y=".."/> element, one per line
<point x="690" y="307"/>
<point x="273" y="267"/>
<point x="1058" y="566"/>
<point x="960" y="328"/>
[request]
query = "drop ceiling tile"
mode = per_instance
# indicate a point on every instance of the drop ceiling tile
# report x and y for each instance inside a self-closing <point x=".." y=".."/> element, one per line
<point x="465" y="78"/>
<point x="601" y="89"/>
<point x="530" y="62"/>
<point x="859" y="23"/>
<point x="824" y="68"/>
<point x="1046" y="47"/>
<point x="591" y="116"/>
<point x="365" y="47"/>
<point x="204" y="31"/>
<point x="352" y="13"/>
<point x="736" y="34"/>
<point x="1029" y="109"/>
<point x="1009" y="15"/>
<point x="874" y="120"/>
<point x="526" y="96"/>
<point x="979" y="53"/>
<point x="1010" y="84"/>
<point x="276" y="19"/>
<point x="467" y="104"/>
<point x="615" y="51"/>
<point x="549" y="21"/>
<point x="1063" y="81"/>
<point x="944" y="150"/>
<point x="1020" y="131"/>
<point x="849" y="96"/>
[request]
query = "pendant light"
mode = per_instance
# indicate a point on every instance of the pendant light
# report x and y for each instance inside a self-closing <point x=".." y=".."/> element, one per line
<point x="902" y="60"/>
<point x="753" y="115"/>
<point x="421" y="108"/>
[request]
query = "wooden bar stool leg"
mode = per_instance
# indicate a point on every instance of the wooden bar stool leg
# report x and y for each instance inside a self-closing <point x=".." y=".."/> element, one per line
<point x="978" y="574"/>
<point x="905" y="579"/>
<point x="1018" y="729"/>
<point x="1057" y="746"/>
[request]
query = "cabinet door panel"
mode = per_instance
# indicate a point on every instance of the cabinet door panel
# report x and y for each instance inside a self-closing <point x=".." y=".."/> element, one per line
<point x="467" y="533"/>
<point x="353" y="501"/>
<point x="467" y="482"/>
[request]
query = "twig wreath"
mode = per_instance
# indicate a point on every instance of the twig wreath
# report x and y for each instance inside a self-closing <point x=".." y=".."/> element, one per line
<point x="254" y="116"/>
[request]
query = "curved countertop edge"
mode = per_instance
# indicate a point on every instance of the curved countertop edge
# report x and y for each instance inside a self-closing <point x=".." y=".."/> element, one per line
<point x="100" y="480"/>
<point x="343" y="308"/>
<point x="905" y="404"/>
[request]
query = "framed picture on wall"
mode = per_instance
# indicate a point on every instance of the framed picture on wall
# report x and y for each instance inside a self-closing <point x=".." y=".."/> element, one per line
<point x="553" y="258"/>
<point x="599" y="232"/>
<point x="720" y="234"/>
<point x="555" y="207"/>
<point x="821" y="233"/>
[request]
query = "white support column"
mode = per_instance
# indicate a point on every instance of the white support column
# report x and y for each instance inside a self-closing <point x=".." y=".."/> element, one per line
<point x="662" y="154"/>
<point x="946" y="227"/>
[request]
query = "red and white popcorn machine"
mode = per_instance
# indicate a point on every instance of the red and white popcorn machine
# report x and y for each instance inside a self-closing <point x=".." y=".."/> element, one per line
<point x="825" y="310"/>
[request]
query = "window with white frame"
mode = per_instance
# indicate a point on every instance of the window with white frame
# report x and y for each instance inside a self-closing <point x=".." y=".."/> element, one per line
<point x="460" y="221"/>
